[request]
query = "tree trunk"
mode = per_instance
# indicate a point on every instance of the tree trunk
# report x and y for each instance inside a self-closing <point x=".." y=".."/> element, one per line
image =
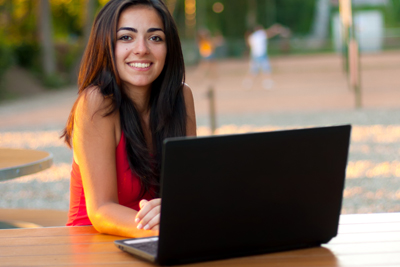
<point x="271" y="13"/>
<point x="88" y="14"/>
<point x="46" y="38"/>
<point x="251" y="14"/>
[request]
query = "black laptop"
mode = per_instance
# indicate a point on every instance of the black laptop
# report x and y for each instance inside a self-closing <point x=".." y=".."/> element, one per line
<point x="237" y="195"/>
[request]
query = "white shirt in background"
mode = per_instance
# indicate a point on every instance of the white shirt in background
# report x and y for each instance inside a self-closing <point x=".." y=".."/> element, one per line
<point x="258" y="42"/>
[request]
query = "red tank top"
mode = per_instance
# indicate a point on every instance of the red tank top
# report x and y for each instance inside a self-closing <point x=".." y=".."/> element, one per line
<point x="129" y="188"/>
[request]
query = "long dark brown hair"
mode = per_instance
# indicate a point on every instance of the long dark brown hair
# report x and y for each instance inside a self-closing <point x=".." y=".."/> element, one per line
<point x="167" y="105"/>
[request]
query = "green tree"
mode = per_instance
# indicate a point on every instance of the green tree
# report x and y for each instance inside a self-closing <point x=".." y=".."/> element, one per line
<point x="298" y="15"/>
<point x="393" y="14"/>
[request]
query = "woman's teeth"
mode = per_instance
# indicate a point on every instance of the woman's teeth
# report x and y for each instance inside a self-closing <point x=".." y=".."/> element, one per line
<point x="140" y="65"/>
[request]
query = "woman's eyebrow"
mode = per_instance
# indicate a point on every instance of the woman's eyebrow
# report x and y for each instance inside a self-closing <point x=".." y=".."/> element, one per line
<point x="135" y="30"/>
<point x="155" y="30"/>
<point x="127" y="29"/>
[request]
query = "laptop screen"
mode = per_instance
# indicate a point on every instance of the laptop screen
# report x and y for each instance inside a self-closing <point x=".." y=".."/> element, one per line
<point x="235" y="195"/>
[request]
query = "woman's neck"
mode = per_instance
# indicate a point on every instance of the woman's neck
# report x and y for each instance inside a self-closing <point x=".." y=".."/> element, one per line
<point x="140" y="98"/>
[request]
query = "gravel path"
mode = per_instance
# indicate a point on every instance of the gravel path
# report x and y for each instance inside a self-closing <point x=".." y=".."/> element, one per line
<point x="308" y="91"/>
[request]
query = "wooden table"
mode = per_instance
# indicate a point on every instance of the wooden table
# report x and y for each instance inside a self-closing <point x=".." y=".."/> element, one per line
<point x="363" y="240"/>
<point x="19" y="162"/>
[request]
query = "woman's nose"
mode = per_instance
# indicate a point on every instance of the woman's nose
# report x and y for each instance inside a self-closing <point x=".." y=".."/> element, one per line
<point x="140" y="47"/>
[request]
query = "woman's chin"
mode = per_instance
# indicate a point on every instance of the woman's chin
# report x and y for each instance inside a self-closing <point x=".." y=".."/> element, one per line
<point x="138" y="85"/>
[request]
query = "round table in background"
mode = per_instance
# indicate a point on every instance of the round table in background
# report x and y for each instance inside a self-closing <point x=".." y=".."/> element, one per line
<point x="15" y="163"/>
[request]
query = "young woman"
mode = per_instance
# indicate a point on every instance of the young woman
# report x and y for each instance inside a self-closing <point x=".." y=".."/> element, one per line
<point x="132" y="96"/>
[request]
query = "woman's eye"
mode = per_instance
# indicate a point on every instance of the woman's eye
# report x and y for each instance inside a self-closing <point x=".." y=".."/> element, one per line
<point x="156" y="38"/>
<point x="125" y="38"/>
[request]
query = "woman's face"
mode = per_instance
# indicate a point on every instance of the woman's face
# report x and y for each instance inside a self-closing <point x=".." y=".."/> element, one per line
<point x="140" y="48"/>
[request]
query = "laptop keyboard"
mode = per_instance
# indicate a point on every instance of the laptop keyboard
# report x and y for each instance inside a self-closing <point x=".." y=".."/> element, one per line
<point x="148" y="245"/>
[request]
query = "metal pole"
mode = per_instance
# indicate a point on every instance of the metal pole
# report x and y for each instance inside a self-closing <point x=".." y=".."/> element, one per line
<point x="355" y="58"/>
<point x="352" y="53"/>
<point x="211" y="100"/>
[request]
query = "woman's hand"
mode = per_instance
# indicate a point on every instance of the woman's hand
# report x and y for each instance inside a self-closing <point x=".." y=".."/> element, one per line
<point x="148" y="218"/>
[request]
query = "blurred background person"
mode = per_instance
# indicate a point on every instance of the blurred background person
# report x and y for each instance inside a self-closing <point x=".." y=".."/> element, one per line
<point x="208" y="45"/>
<point x="259" y="60"/>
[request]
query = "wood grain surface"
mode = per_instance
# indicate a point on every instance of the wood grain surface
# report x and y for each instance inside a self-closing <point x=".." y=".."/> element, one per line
<point x="363" y="240"/>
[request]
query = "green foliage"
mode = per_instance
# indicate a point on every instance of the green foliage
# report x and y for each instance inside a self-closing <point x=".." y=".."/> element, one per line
<point x="392" y="11"/>
<point x="266" y="12"/>
<point x="66" y="55"/>
<point x="235" y="47"/>
<point x="179" y="16"/>
<point x="5" y="63"/>
<point x="67" y="18"/>
<point x="6" y="58"/>
<point x="54" y="81"/>
<point x="19" y="21"/>
<point x="26" y="54"/>
<point x="231" y="22"/>
<point x="298" y="15"/>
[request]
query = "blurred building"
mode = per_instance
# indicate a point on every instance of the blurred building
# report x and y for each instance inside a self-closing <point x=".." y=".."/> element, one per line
<point x="369" y="25"/>
<point x="314" y="24"/>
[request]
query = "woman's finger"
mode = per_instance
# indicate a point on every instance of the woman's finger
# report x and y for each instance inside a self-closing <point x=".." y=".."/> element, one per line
<point x="155" y="211"/>
<point x="148" y="209"/>
<point x="145" y="207"/>
<point x="143" y="202"/>
<point x="155" y="221"/>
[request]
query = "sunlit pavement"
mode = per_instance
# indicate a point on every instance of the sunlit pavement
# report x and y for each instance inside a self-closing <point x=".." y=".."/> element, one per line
<point x="308" y="91"/>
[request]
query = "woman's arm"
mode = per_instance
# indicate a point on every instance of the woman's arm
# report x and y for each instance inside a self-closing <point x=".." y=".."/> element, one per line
<point x="94" y="144"/>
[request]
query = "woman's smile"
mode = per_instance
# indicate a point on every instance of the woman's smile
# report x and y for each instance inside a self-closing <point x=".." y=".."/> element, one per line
<point x="140" y="65"/>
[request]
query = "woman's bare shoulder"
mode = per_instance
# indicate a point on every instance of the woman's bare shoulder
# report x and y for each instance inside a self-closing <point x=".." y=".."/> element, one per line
<point x="91" y="99"/>
<point x="92" y="114"/>
<point x="92" y="103"/>
<point x="187" y="92"/>
<point x="186" y="87"/>
<point x="92" y="126"/>
<point x="190" y="111"/>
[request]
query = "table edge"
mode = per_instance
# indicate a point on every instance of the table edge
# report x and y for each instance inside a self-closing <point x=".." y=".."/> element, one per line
<point x="26" y="169"/>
